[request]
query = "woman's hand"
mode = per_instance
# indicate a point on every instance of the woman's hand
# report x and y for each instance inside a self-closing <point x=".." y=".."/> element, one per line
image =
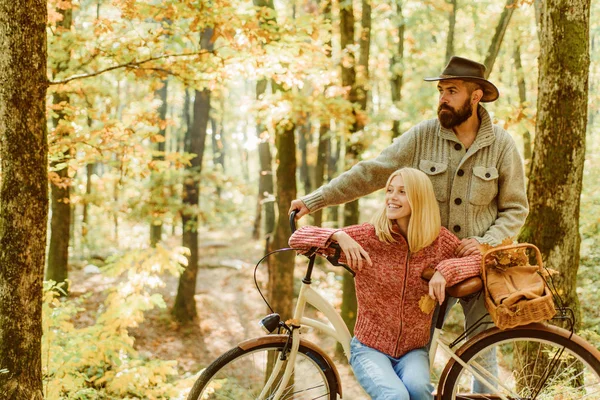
<point x="437" y="287"/>
<point x="353" y="251"/>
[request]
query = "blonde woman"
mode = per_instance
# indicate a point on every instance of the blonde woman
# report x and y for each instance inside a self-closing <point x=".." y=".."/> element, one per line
<point x="388" y="353"/>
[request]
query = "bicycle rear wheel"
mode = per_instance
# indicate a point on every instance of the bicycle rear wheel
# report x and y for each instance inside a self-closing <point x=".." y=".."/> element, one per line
<point x="535" y="362"/>
<point x="241" y="373"/>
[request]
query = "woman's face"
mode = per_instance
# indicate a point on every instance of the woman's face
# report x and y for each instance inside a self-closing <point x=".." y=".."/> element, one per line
<point x="396" y="200"/>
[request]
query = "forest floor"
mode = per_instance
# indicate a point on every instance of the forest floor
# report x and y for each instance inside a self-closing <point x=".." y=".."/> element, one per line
<point x="228" y="304"/>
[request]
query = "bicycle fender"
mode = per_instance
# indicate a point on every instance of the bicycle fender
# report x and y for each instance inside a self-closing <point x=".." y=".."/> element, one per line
<point x="246" y="344"/>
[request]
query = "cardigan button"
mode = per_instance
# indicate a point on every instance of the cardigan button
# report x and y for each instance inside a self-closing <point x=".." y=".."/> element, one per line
<point x="456" y="228"/>
<point x="432" y="169"/>
<point x="460" y="172"/>
<point x="458" y="201"/>
<point x="457" y="146"/>
<point x="487" y="175"/>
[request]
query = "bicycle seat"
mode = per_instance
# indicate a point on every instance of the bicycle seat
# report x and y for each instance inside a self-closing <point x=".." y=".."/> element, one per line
<point x="461" y="289"/>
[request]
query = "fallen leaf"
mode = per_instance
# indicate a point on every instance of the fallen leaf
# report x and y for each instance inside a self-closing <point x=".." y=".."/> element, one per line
<point x="426" y="304"/>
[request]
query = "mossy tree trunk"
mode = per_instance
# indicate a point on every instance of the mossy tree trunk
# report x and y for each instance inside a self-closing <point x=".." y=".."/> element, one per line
<point x="157" y="178"/>
<point x="23" y="195"/>
<point x="559" y="147"/>
<point x="60" y="221"/>
<point x="184" y="309"/>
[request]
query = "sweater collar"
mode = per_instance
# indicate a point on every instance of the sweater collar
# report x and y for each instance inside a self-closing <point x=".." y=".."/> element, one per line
<point x="485" y="135"/>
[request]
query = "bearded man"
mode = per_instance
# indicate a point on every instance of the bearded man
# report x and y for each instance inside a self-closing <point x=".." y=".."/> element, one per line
<point x="475" y="167"/>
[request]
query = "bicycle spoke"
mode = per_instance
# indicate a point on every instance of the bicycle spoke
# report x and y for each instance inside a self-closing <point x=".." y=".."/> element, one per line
<point x="529" y="368"/>
<point x="242" y="375"/>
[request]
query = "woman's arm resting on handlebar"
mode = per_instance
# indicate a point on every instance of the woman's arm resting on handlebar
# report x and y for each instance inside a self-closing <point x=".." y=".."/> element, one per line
<point x="353" y="251"/>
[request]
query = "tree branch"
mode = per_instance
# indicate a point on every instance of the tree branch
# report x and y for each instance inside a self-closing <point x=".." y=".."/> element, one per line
<point x="129" y="64"/>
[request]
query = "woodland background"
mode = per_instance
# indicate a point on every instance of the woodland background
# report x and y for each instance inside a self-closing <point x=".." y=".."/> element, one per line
<point x="150" y="149"/>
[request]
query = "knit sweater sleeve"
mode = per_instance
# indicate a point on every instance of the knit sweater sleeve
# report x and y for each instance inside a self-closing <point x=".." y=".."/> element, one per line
<point x="366" y="176"/>
<point x="309" y="237"/>
<point x="512" y="197"/>
<point x="456" y="269"/>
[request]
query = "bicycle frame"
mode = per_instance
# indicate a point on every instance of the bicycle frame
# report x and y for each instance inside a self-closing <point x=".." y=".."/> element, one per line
<point x="336" y="329"/>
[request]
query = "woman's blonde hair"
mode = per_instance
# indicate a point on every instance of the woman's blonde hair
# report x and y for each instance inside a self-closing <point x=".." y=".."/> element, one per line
<point x="424" y="224"/>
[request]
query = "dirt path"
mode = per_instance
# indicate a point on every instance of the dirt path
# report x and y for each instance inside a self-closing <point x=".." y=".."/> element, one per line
<point x="228" y="304"/>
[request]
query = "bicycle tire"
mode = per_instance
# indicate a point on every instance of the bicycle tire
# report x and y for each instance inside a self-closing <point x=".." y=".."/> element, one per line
<point x="575" y="375"/>
<point x="240" y="372"/>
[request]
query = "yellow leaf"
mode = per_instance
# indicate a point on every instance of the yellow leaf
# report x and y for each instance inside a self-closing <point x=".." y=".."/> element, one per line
<point x="426" y="304"/>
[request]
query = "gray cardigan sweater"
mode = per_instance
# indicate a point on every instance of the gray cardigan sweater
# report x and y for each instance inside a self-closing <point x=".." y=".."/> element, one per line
<point x="480" y="190"/>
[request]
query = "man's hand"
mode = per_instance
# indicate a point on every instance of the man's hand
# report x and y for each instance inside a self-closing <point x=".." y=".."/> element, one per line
<point x="437" y="287"/>
<point x="300" y="206"/>
<point x="467" y="247"/>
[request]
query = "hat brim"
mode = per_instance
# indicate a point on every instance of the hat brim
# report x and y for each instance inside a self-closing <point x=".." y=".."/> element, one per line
<point x="490" y="91"/>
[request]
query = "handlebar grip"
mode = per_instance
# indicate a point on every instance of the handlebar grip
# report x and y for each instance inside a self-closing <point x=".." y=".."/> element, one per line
<point x="293" y="220"/>
<point x="334" y="259"/>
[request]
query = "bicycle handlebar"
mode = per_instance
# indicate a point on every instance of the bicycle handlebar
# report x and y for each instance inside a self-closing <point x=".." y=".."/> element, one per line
<point x="333" y="259"/>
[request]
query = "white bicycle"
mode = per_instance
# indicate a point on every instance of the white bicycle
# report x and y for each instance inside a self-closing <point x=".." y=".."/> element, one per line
<point x="536" y="361"/>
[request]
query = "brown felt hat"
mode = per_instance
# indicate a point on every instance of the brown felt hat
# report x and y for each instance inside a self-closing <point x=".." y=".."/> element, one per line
<point x="468" y="70"/>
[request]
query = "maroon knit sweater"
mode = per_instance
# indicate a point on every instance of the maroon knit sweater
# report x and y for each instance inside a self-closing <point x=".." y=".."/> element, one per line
<point x="388" y="293"/>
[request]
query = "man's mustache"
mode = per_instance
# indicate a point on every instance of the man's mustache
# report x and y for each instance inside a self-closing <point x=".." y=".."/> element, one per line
<point x="445" y="107"/>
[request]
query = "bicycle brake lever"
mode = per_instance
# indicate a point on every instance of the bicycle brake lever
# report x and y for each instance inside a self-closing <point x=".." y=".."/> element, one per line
<point x="335" y="259"/>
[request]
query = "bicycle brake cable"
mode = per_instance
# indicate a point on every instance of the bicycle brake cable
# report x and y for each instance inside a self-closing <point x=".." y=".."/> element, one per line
<point x="256" y="269"/>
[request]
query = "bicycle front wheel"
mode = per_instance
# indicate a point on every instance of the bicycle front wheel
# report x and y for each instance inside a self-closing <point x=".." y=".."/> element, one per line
<point x="241" y="373"/>
<point x="535" y="362"/>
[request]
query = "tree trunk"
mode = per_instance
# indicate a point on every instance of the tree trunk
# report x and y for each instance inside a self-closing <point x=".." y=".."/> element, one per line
<point x="157" y="181"/>
<point x="304" y="136"/>
<point x="559" y="148"/>
<point x="23" y="195"/>
<point x="321" y="165"/>
<point x="494" y="48"/>
<point x="89" y="171"/>
<point x="265" y="202"/>
<point x="358" y="95"/>
<point x="218" y="138"/>
<point x="538" y="5"/>
<point x="333" y="158"/>
<point x="324" y="131"/>
<point x="184" y="309"/>
<point x="60" y="222"/>
<point x="397" y="69"/>
<point x="281" y="268"/>
<point x="522" y="101"/>
<point x="451" y="29"/>
<point x="362" y="69"/>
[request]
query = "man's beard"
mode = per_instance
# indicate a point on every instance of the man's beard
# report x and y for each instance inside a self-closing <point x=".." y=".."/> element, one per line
<point x="449" y="117"/>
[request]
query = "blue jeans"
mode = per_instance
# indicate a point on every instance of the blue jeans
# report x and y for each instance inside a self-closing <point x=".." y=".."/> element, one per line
<point x="387" y="378"/>
<point x="474" y="309"/>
